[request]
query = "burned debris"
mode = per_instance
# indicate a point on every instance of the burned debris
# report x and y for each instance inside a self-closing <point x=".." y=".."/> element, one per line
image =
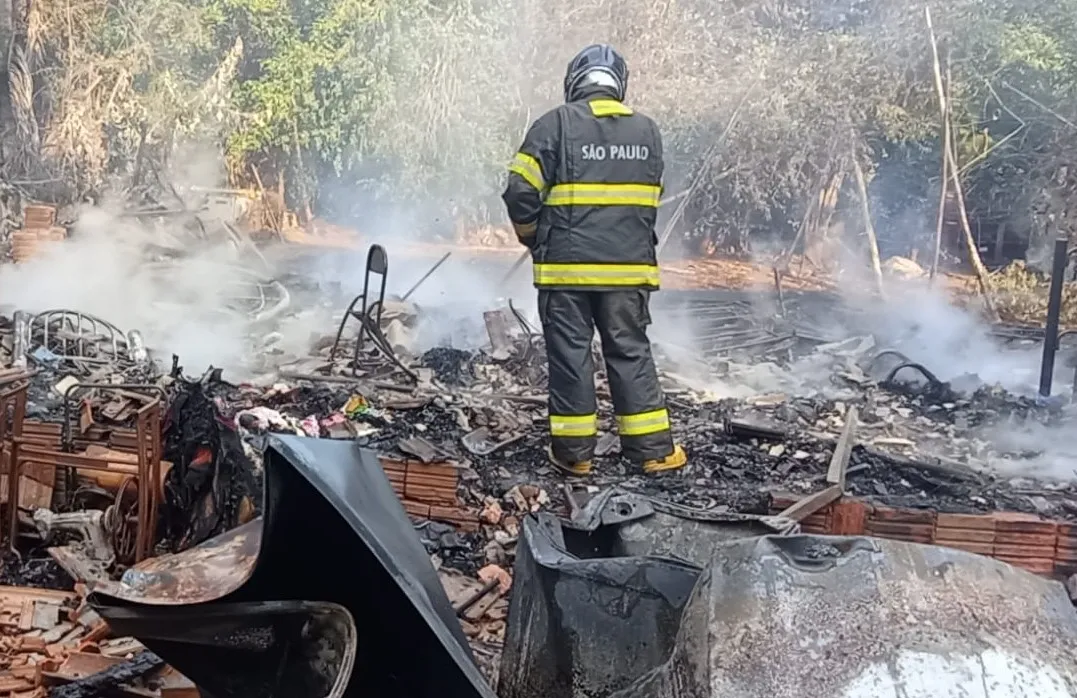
<point x="123" y="470"/>
<point x="54" y="644"/>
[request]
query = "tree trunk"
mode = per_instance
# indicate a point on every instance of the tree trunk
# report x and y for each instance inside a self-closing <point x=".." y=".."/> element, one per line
<point x="8" y="10"/>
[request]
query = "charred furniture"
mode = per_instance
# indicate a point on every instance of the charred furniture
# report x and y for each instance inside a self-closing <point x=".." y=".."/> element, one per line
<point x="131" y="519"/>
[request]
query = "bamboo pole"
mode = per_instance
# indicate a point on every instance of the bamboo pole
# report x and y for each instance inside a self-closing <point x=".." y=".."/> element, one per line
<point x="944" y="182"/>
<point x="950" y="155"/>
<point x="873" y="242"/>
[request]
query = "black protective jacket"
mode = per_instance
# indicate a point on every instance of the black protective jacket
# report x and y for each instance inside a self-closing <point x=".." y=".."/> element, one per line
<point x="589" y="176"/>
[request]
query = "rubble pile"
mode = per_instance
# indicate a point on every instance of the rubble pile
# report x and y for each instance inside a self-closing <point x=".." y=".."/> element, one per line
<point x="52" y="643"/>
<point x="461" y="437"/>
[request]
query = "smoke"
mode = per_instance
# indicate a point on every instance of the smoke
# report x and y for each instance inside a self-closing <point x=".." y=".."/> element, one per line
<point x="185" y="286"/>
<point x="180" y="306"/>
<point x="453" y="298"/>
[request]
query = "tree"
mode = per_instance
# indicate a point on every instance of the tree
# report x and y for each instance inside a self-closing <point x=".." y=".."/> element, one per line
<point x="418" y="105"/>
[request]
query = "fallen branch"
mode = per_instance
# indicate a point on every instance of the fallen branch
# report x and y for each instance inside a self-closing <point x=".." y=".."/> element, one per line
<point x="936" y="465"/>
<point x="1039" y="104"/>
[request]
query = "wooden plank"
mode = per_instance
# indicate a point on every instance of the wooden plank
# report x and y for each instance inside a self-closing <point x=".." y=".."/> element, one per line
<point x="812" y="503"/>
<point x="839" y="461"/>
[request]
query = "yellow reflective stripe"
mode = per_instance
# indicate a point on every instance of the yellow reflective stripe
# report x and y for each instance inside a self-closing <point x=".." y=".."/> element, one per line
<point x="528" y="168"/>
<point x="596" y="275"/>
<point x="643" y="423"/>
<point x="609" y="107"/>
<point x="573" y="425"/>
<point x="590" y="194"/>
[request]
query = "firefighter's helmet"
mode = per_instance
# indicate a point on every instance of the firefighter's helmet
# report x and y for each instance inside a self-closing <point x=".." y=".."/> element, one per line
<point x="598" y="64"/>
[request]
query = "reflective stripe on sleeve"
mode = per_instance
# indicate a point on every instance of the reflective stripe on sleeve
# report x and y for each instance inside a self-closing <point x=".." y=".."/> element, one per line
<point x="573" y="425"/>
<point x="528" y="168"/>
<point x="596" y="275"/>
<point x="587" y="194"/>
<point x="643" y="423"/>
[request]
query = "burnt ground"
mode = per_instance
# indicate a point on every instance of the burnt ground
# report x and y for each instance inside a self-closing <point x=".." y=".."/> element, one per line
<point x="917" y="439"/>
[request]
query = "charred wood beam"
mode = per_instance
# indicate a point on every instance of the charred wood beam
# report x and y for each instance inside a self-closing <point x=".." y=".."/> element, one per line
<point x="110" y="679"/>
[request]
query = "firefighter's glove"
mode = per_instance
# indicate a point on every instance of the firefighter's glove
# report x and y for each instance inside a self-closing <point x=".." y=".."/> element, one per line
<point x="525" y="233"/>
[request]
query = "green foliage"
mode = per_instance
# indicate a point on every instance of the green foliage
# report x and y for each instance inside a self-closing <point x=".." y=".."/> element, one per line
<point x="410" y="100"/>
<point x="302" y="82"/>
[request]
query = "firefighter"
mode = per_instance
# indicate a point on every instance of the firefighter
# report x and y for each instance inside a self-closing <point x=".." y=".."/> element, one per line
<point x="583" y="195"/>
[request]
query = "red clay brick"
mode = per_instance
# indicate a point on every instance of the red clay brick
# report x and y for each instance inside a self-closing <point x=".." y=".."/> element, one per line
<point x="417" y="509"/>
<point x="966" y="521"/>
<point x="1068" y="530"/>
<point x="1067" y="543"/>
<point x="396" y="464"/>
<point x="443" y="470"/>
<point x="1043" y="540"/>
<point x="1023" y="523"/>
<point x="848" y="517"/>
<point x="817" y="519"/>
<point x="433" y="483"/>
<point x="460" y="518"/>
<point x="908" y="516"/>
<point x="432" y="495"/>
<point x="946" y="536"/>
<point x="1066" y="555"/>
<point x="1022" y="552"/>
<point x="913" y="532"/>
<point x="452" y="513"/>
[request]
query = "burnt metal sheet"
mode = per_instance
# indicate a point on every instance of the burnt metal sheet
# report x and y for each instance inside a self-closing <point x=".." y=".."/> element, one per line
<point x="309" y="646"/>
<point x="583" y="621"/>
<point x="597" y="599"/>
<point x="828" y="617"/>
<point x="205" y="573"/>
<point x="773" y="616"/>
<point x="333" y="531"/>
<point x="640" y="525"/>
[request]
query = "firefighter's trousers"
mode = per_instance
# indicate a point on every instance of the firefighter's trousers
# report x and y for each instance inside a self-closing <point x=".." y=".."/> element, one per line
<point x="569" y="319"/>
